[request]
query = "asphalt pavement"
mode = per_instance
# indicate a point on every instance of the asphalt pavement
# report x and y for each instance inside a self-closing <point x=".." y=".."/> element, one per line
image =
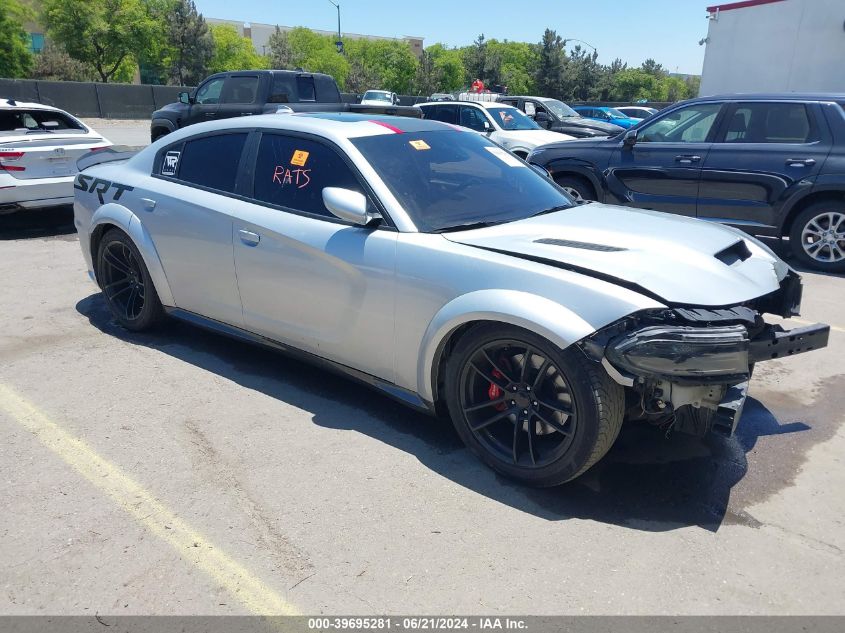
<point x="180" y="472"/>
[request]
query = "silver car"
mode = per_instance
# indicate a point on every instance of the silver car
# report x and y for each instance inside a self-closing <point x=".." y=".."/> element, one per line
<point x="439" y="268"/>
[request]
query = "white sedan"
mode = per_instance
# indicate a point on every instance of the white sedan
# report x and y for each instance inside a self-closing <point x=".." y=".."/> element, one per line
<point x="39" y="146"/>
<point x="503" y="124"/>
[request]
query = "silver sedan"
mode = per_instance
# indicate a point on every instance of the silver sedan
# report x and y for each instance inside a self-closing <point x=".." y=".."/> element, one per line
<point x="439" y="268"/>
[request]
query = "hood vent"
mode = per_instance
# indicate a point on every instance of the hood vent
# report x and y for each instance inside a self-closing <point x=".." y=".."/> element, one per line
<point x="583" y="245"/>
<point x="737" y="252"/>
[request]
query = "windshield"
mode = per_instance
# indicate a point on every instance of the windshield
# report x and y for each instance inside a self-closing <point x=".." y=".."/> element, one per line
<point x="616" y="114"/>
<point x="560" y="109"/>
<point x="376" y="95"/>
<point x="37" y="121"/>
<point x="512" y="119"/>
<point x="446" y="179"/>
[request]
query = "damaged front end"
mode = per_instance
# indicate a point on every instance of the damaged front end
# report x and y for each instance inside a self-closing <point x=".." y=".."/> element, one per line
<point x="688" y="368"/>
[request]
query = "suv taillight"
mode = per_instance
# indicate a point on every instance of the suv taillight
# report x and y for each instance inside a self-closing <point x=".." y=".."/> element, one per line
<point x="7" y="157"/>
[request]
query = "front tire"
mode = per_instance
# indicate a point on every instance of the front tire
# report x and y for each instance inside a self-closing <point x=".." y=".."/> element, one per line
<point x="126" y="283"/>
<point x="529" y="410"/>
<point x="817" y="236"/>
<point x="577" y="187"/>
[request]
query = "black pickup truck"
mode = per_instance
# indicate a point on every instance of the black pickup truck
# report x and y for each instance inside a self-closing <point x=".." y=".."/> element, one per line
<point x="243" y="93"/>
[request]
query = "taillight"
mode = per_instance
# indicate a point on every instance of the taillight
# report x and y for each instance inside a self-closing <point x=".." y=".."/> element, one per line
<point x="7" y="157"/>
<point x="97" y="149"/>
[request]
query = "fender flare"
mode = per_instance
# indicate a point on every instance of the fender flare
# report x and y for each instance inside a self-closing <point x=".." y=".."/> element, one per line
<point x="129" y="223"/>
<point x="540" y="315"/>
<point x="583" y="169"/>
<point x="165" y="123"/>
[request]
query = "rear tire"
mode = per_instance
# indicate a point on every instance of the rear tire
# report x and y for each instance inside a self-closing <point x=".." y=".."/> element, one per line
<point x="817" y="236"/>
<point x="529" y="410"/>
<point x="577" y="187"/>
<point x="126" y="283"/>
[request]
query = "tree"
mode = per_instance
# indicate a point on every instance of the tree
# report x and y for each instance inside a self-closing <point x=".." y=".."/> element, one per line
<point x="15" y="57"/>
<point x="654" y="69"/>
<point x="281" y="53"/>
<point x="633" y="84"/>
<point x="54" y="64"/>
<point x="232" y="51"/>
<point x="189" y="44"/>
<point x="303" y="48"/>
<point x="550" y="68"/>
<point x="581" y="74"/>
<point x="107" y="34"/>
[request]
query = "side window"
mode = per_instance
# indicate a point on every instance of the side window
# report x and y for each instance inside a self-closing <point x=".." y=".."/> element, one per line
<point x="209" y="93"/>
<point x="211" y="161"/>
<point x="472" y="118"/>
<point x="587" y="112"/>
<point x="770" y="123"/>
<point x="240" y="90"/>
<point x="687" y="125"/>
<point x="291" y="172"/>
<point x="530" y="109"/>
<point x="445" y="113"/>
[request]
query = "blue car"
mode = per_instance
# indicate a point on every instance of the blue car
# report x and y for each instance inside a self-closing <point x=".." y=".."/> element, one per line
<point x="610" y="115"/>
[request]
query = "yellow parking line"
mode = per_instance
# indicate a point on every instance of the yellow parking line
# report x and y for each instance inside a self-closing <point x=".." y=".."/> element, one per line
<point x="804" y="322"/>
<point x="145" y="509"/>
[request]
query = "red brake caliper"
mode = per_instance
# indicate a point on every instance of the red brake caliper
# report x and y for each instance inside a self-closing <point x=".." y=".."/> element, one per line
<point x="494" y="391"/>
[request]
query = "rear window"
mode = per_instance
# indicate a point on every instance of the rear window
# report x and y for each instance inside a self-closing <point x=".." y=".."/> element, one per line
<point x="210" y="161"/>
<point x="770" y="123"/>
<point x="33" y="120"/>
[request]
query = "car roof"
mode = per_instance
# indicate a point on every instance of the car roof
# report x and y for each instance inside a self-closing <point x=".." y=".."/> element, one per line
<point x="774" y="96"/>
<point x="331" y="125"/>
<point x="495" y="104"/>
<point x="4" y="104"/>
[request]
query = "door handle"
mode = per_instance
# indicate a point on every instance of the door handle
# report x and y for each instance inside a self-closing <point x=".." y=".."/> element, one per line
<point x="800" y="162"/>
<point x="148" y="203"/>
<point x="249" y="238"/>
<point x="687" y="159"/>
<point x="208" y="115"/>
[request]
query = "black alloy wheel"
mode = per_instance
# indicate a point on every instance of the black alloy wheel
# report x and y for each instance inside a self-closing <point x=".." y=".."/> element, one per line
<point x="125" y="282"/>
<point x="528" y="409"/>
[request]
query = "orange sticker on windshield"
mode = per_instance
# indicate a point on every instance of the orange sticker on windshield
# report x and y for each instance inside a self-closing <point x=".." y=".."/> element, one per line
<point x="299" y="159"/>
<point x="419" y="144"/>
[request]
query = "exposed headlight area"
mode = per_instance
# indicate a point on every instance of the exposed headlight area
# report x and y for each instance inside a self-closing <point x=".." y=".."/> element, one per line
<point x="683" y="352"/>
<point x="688" y="368"/>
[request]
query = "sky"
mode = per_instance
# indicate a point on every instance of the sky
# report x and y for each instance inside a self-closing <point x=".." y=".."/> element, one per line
<point x="633" y="30"/>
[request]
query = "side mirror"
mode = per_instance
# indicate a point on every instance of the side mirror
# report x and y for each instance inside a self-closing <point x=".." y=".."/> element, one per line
<point x="348" y="205"/>
<point x="488" y="129"/>
<point x="630" y="138"/>
<point x="185" y="98"/>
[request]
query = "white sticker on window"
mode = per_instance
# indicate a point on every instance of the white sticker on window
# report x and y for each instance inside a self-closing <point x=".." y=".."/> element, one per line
<point x="170" y="163"/>
<point x="505" y="157"/>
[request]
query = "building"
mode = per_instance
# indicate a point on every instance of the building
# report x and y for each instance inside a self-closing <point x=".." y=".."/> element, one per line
<point x="775" y="46"/>
<point x="260" y="35"/>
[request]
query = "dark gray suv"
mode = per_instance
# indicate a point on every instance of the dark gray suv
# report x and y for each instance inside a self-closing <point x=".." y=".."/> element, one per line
<point x="770" y="164"/>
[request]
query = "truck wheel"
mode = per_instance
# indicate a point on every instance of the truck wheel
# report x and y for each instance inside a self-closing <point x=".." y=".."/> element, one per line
<point x="817" y="237"/>
<point x="157" y="134"/>
<point x="529" y="410"/>
<point x="577" y="187"/>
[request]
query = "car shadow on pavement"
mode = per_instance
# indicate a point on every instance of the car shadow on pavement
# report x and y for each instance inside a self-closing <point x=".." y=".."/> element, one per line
<point x="648" y="481"/>
<point x="35" y="223"/>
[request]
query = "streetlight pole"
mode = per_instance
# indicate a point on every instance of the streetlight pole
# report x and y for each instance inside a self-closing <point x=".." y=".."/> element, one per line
<point x="339" y="42"/>
<point x="572" y="39"/>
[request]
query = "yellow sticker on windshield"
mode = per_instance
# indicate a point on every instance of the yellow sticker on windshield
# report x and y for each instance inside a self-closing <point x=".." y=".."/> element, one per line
<point x="299" y="159"/>
<point x="420" y="144"/>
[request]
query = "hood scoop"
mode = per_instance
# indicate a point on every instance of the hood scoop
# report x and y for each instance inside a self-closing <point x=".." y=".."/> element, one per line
<point x="587" y="246"/>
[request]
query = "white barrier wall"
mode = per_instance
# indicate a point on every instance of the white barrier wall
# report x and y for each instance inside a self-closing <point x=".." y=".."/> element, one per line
<point x="784" y="46"/>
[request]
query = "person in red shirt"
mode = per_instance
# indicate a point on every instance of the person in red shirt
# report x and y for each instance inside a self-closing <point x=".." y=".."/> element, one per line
<point x="477" y="86"/>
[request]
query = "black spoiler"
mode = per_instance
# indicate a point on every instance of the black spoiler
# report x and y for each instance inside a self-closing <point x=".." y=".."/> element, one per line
<point x="100" y="156"/>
